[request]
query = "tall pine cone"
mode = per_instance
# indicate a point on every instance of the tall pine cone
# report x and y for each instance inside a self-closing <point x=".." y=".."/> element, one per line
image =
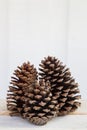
<point x="23" y="77"/>
<point x="64" y="88"/>
<point x="39" y="106"/>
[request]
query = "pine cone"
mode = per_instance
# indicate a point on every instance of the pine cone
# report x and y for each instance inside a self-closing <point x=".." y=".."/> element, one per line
<point x="39" y="106"/>
<point x="64" y="88"/>
<point x="23" y="77"/>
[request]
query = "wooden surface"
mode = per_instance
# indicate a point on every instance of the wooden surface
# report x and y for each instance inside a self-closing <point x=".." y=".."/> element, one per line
<point x="74" y="121"/>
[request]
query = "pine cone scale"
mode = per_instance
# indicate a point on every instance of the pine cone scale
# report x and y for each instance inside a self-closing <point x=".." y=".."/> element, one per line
<point x="64" y="88"/>
<point x="55" y="93"/>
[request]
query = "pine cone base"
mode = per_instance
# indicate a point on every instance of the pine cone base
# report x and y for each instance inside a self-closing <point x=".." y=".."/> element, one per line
<point x="39" y="106"/>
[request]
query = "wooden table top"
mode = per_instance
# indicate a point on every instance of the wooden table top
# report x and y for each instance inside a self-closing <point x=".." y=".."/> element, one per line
<point x="74" y="121"/>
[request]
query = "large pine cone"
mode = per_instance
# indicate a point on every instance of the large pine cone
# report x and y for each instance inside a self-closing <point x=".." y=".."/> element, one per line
<point x="23" y="77"/>
<point x="39" y="106"/>
<point x="64" y="88"/>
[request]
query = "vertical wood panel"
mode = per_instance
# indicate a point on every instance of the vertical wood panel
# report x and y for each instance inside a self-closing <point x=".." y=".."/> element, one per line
<point x="3" y="47"/>
<point x="77" y="42"/>
<point x="37" y="29"/>
<point x="30" y="30"/>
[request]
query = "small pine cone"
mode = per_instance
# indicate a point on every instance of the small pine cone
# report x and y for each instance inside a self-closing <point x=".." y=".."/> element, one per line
<point x="64" y="88"/>
<point x="23" y="77"/>
<point x="39" y="106"/>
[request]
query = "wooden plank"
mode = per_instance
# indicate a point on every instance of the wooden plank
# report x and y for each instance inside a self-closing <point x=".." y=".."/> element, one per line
<point x="82" y="110"/>
<point x="70" y="122"/>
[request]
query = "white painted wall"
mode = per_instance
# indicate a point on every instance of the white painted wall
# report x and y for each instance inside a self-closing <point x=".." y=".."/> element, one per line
<point x="77" y="43"/>
<point x="32" y="29"/>
<point x="3" y="47"/>
<point x="37" y="29"/>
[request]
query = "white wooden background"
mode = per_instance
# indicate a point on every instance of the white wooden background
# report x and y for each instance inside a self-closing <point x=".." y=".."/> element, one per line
<point x="32" y="29"/>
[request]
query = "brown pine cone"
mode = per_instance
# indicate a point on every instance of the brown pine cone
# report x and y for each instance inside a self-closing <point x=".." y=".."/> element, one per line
<point x="23" y="77"/>
<point x="39" y="106"/>
<point x="64" y="88"/>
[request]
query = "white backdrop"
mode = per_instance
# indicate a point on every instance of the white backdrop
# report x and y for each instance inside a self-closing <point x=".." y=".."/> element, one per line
<point x="32" y="29"/>
<point x="77" y="42"/>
